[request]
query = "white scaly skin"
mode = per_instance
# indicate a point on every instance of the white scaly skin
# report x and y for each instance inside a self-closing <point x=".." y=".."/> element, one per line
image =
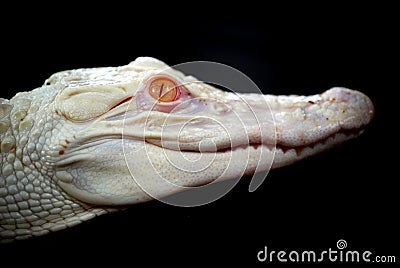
<point x="63" y="159"/>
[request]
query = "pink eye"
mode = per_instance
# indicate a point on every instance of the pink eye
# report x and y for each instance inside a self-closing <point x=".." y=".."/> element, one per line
<point x="163" y="93"/>
<point x="164" y="89"/>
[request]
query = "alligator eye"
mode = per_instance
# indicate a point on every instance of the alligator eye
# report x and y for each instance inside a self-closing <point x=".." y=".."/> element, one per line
<point x="164" y="89"/>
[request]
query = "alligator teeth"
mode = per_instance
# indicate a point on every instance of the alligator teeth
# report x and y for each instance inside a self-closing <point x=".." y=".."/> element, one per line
<point x="319" y="146"/>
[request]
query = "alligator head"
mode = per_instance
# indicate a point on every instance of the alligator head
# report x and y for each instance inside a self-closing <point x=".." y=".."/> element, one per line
<point x="93" y="139"/>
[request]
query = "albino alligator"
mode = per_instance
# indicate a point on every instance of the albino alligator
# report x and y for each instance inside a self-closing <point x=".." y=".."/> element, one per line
<point x="63" y="159"/>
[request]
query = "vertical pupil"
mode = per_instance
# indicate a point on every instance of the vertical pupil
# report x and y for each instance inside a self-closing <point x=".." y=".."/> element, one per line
<point x="163" y="89"/>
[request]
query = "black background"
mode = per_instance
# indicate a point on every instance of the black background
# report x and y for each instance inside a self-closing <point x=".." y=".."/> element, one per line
<point x="347" y="193"/>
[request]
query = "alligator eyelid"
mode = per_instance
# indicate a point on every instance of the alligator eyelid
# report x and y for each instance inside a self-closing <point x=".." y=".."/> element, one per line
<point x="122" y="102"/>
